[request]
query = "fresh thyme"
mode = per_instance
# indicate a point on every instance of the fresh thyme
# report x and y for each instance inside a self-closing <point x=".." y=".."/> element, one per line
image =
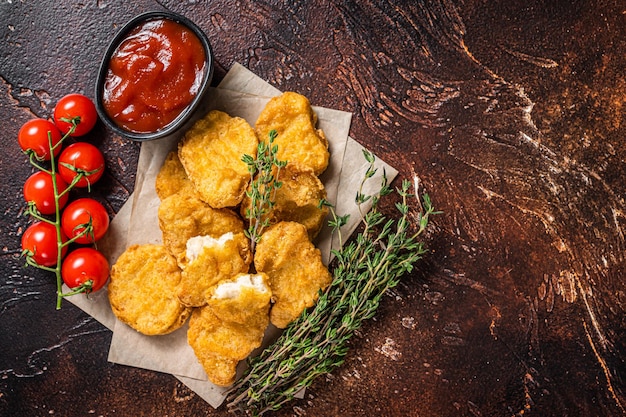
<point x="264" y="171"/>
<point x="364" y="269"/>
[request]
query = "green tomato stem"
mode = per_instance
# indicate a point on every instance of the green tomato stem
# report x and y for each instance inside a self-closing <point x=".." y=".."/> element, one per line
<point x="84" y="288"/>
<point x="57" y="209"/>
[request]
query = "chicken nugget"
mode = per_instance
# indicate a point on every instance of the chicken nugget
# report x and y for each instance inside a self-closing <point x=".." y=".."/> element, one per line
<point x="295" y="270"/>
<point x="172" y="177"/>
<point x="142" y="290"/>
<point x="211" y="152"/>
<point x="220" y="344"/>
<point x="220" y="370"/>
<point x="183" y="216"/>
<point x="298" y="199"/>
<point x="298" y="140"/>
<point x="241" y="297"/>
<point x="209" y="261"/>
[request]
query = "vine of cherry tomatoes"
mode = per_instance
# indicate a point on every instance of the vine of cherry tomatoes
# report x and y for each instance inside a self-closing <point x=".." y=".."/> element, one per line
<point x="59" y="222"/>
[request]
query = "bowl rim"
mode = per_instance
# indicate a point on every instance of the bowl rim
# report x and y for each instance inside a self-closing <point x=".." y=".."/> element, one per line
<point x="184" y="115"/>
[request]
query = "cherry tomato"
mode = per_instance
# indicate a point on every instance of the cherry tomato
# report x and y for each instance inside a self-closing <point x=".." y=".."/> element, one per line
<point x="41" y="240"/>
<point x="39" y="189"/>
<point x="79" y="107"/>
<point x="33" y="135"/>
<point x="83" y="265"/>
<point x="77" y="215"/>
<point x="81" y="158"/>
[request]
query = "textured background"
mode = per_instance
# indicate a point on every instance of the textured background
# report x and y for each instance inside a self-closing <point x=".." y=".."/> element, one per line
<point x="510" y="112"/>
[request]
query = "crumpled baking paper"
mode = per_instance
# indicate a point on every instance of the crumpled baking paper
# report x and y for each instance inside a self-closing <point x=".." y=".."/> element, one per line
<point x="241" y="93"/>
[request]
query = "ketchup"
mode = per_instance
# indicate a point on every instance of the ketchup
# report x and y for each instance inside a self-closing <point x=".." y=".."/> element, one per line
<point x="154" y="73"/>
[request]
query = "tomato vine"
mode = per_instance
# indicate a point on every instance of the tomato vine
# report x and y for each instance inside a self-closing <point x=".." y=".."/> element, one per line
<point x="45" y="243"/>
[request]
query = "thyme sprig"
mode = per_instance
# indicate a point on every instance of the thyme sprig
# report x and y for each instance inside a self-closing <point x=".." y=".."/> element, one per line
<point x="264" y="173"/>
<point x="365" y="268"/>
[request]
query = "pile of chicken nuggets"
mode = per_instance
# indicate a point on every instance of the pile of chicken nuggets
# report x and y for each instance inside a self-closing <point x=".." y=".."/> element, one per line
<point x="205" y="271"/>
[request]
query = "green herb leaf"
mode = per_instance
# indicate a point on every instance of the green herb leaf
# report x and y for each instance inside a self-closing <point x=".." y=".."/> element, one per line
<point x="364" y="269"/>
<point x="264" y="171"/>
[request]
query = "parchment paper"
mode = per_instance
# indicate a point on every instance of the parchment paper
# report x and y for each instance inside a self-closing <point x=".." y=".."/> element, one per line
<point x="241" y="93"/>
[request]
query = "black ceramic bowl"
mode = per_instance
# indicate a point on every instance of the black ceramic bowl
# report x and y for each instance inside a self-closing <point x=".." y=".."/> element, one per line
<point x="189" y="114"/>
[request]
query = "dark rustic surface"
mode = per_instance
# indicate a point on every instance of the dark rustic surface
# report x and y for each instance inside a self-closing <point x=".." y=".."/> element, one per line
<point x="512" y="114"/>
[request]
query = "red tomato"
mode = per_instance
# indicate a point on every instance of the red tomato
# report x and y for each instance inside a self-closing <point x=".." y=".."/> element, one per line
<point x="83" y="265"/>
<point x="40" y="239"/>
<point x="33" y="135"/>
<point x="39" y="189"/>
<point x="76" y="218"/>
<point x="81" y="158"/>
<point x="78" y="107"/>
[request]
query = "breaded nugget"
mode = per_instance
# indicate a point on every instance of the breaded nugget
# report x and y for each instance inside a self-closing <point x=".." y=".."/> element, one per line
<point x="220" y="370"/>
<point x="209" y="261"/>
<point x="298" y="199"/>
<point x="142" y="290"/>
<point x="298" y="140"/>
<point x="242" y="296"/>
<point x="294" y="267"/>
<point x="211" y="153"/>
<point x="220" y="344"/>
<point x="172" y="177"/>
<point x="183" y="216"/>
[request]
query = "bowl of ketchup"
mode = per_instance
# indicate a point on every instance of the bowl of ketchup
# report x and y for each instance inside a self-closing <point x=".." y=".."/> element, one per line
<point x="153" y="76"/>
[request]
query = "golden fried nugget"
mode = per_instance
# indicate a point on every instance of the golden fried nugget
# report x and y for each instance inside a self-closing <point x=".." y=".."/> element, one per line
<point x="295" y="269"/>
<point x="220" y="344"/>
<point x="209" y="261"/>
<point x="237" y="299"/>
<point x="220" y="370"/>
<point x="212" y="152"/>
<point x="298" y="199"/>
<point x="183" y="216"/>
<point x="142" y="290"/>
<point x="172" y="177"/>
<point x="298" y="140"/>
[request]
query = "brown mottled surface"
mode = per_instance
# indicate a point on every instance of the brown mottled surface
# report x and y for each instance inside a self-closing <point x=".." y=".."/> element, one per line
<point x="512" y="114"/>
